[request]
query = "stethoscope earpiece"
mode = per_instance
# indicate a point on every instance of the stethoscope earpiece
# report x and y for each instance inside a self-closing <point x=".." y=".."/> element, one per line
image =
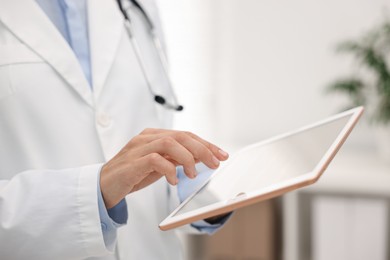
<point x="128" y="25"/>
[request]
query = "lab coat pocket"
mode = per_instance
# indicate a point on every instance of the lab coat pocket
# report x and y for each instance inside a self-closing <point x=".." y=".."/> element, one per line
<point x="12" y="55"/>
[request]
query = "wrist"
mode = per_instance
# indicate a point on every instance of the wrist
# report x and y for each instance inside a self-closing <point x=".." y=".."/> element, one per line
<point x="111" y="189"/>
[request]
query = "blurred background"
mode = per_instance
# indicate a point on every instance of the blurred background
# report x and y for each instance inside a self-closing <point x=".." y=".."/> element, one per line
<point x="246" y="70"/>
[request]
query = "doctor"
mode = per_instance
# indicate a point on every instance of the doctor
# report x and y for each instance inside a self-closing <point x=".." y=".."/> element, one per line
<point x="82" y="142"/>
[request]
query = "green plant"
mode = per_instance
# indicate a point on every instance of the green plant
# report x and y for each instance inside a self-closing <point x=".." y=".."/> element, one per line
<point x="371" y="85"/>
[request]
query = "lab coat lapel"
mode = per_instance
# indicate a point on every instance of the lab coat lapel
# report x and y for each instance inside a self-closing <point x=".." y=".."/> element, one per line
<point x="31" y="25"/>
<point x="105" y="32"/>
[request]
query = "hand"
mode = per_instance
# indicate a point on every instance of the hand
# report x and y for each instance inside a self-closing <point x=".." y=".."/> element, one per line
<point x="149" y="156"/>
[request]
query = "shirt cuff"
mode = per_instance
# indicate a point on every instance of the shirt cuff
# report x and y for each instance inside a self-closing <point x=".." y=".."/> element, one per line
<point x="208" y="228"/>
<point x="111" y="219"/>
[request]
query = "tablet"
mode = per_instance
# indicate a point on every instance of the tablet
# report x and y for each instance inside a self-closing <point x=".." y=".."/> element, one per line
<point x="267" y="169"/>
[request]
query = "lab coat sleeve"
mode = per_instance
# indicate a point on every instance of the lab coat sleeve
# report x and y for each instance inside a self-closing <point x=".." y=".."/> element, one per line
<point x="51" y="214"/>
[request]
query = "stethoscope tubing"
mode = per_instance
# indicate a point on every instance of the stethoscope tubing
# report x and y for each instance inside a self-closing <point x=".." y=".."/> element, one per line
<point x="160" y="52"/>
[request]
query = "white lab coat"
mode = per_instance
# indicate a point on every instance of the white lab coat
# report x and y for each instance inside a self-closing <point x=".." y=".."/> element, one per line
<point x="55" y="133"/>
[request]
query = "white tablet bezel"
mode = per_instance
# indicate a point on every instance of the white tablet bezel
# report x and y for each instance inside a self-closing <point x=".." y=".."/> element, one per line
<point x="246" y="199"/>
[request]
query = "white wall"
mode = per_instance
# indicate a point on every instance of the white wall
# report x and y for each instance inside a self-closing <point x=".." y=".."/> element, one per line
<point x="250" y="69"/>
<point x="188" y="25"/>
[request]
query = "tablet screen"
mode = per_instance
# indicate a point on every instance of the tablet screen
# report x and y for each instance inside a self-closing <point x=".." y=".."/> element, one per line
<point x="262" y="165"/>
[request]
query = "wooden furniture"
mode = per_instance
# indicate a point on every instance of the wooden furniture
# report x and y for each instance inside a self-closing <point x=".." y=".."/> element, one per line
<point x="251" y="234"/>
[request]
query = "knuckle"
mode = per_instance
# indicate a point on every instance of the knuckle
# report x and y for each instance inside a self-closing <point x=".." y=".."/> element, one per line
<point x="181" y="136"/>
<point x="167" y="141"/>
<point x="137" y="139"/>
<point x="209" y="145"/>
<point x="205" y="153"/>
<point x="188" y="133"/>
<point x="147" y="131"/>
<point x="153" y="158"/>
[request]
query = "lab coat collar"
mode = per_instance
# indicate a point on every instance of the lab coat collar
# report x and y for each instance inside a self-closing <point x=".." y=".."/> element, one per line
<point x="106" y="27"/>
<point x="29" y="23"/>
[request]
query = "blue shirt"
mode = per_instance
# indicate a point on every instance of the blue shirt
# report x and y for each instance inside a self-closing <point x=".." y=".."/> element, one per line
<point x="71" y="19"/>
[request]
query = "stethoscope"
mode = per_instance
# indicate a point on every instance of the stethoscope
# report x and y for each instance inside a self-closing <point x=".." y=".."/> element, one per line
<point x="157" y="44"/>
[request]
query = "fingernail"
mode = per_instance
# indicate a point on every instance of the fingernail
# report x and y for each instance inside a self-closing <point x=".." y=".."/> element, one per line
<point x="215" y="161"/>
<point x="223" y="153"/>
<point x="177" y="181"/>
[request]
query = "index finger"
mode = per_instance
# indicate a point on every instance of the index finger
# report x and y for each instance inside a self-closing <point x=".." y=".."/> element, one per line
<point x="218" y="152"/>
